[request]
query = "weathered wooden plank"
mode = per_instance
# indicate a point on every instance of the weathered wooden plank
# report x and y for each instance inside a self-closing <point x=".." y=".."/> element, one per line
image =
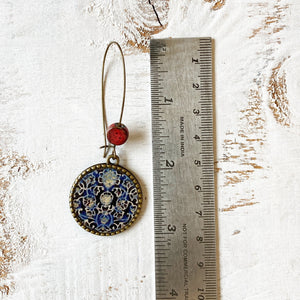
<point x="50" y="129"/>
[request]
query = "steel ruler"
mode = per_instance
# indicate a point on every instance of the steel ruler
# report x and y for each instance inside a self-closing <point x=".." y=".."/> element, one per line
<point x="183" y="168"/>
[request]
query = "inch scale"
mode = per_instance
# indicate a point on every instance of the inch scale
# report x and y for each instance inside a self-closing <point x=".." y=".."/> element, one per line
<point x="183" y="168"/>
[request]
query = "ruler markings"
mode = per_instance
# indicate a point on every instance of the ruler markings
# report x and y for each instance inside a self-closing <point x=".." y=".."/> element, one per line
<point x="192" y="59"/>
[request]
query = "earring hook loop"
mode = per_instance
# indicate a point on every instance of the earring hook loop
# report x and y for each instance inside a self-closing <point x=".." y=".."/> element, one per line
<point x="106" y="146"/>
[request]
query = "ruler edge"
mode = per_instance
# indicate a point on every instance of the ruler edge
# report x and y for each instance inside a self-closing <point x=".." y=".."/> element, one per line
<point x="215" y="193"/>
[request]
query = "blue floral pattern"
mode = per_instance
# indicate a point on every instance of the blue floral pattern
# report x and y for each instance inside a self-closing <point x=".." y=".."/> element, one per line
<point x="105" y="199"/>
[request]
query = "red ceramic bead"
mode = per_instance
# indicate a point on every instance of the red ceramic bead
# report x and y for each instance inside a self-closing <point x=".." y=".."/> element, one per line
<point x="117" y="134"/>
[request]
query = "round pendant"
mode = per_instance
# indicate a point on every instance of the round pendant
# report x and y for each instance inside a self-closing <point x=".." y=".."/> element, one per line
<point x="105" y="199"/>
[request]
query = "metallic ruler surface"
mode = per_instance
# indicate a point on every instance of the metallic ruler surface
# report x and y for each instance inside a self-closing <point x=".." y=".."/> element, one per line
<point x="183" y="168"/>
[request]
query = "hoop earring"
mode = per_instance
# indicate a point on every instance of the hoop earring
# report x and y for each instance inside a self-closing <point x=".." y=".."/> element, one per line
<point x="106" y="198"/>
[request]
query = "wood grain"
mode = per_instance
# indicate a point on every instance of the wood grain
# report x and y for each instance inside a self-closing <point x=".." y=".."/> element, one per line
<point x="136" y="20"/>
<point x="217" y="4"/>
<point x="13" y="243"/>
<point x="277" y="89"/>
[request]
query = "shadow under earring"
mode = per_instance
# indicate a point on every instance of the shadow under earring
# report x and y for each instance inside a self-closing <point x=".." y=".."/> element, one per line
<point x="106" y="198"/>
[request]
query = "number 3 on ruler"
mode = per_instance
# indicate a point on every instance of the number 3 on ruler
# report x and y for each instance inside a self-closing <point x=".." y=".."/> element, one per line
<point x="171" y="227"/>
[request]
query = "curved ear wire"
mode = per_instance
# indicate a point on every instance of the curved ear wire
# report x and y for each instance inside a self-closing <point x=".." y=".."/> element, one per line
<point x="107" y="147"/>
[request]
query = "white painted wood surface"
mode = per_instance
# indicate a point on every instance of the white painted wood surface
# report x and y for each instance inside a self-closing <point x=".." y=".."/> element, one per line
<point x="50" y="117"/>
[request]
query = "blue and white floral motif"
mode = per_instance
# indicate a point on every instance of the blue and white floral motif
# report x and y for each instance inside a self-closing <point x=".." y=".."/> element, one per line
<point x="88" y="202"/>
<point x="105" y="200"/>
<point x="109" y="178"/>
<point x="104" y="221"/>
<point x="121" y="204"/>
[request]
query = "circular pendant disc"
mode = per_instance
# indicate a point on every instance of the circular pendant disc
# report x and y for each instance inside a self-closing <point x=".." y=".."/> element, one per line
<point x="105" y="199"/>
